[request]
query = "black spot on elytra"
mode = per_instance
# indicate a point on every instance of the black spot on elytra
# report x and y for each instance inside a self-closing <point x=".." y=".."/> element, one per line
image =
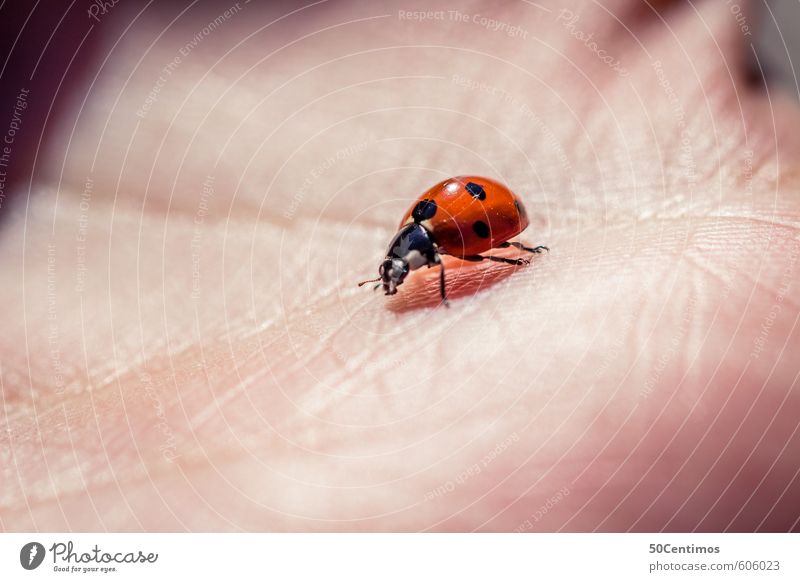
<point x="476" y="190"/>
<point x="523" y="215"/>
<point x="481" y="228"/>
<point x="424" y="210"/>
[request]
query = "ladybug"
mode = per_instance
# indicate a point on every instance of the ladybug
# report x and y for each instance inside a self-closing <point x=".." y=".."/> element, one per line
<point x="462" y="217"/>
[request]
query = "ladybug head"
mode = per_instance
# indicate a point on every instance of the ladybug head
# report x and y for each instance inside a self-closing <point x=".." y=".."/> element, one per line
<point x="393" y="271"/>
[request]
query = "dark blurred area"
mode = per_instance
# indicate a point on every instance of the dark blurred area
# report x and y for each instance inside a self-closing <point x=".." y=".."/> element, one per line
<point x="47" y="48"/>
<point x="776" y="48"/>
<point x="50" y="50"/>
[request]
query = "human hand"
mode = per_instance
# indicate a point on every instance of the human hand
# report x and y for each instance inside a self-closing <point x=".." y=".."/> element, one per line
<point x="185" y="346"/>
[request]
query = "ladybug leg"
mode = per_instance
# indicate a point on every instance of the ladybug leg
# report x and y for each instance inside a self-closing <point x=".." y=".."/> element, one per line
<point x="522" y="247"/>
<point x="478" y="258"/>
<point x="438" y="261"/>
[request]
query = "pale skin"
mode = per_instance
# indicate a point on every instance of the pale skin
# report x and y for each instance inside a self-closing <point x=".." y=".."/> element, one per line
<point x="199" y="357"/>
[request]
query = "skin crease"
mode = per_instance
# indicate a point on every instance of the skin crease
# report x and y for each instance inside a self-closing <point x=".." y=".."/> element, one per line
<point x="204" y="360"/>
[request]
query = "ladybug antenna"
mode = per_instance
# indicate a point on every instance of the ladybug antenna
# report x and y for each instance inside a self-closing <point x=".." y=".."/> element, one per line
<point x="369" y="281"/>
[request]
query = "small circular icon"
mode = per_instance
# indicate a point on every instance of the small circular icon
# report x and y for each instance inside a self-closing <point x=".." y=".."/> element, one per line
<point x="31" y="555"/>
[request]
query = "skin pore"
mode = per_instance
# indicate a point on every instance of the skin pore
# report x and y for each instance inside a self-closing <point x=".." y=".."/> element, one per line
<point x="184" y="346"/>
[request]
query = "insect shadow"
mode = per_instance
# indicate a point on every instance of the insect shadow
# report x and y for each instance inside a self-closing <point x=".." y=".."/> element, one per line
<point x="464" y="279"/>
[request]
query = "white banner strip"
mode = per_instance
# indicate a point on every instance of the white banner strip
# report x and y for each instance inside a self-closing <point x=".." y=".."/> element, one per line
<point x="400" y="557"/>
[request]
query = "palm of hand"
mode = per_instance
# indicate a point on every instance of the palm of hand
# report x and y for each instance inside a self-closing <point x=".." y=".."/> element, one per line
<point x="639" y="377"/>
